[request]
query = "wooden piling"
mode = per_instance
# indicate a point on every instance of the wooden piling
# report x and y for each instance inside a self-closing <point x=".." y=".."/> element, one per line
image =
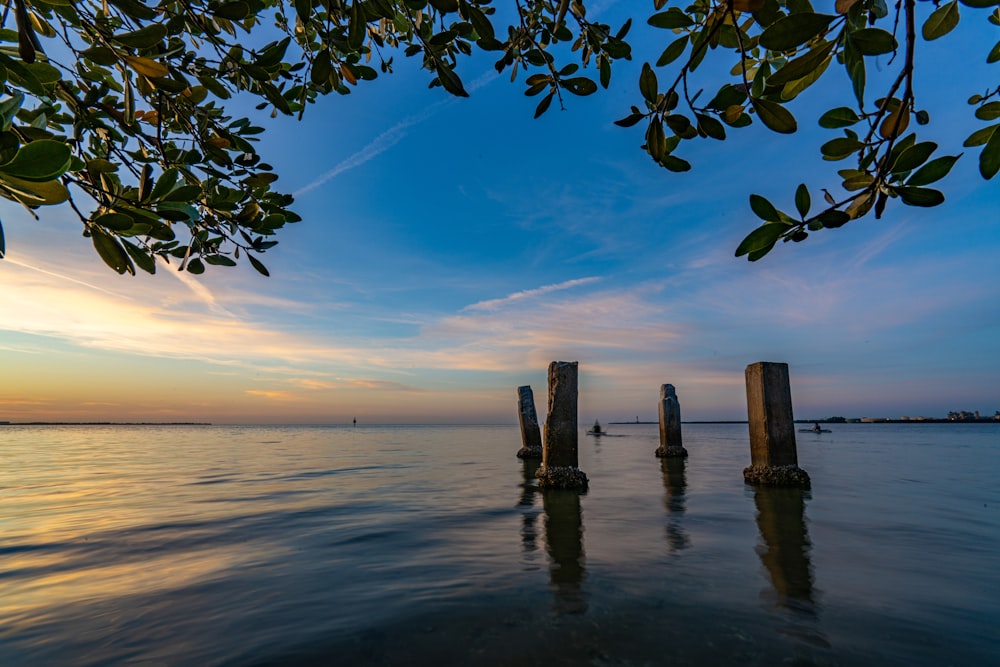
<point x="773" y="457"/>
<point x="670" y="424"/>
<point x="531" y="435"/>
<point x="559" y="448"/>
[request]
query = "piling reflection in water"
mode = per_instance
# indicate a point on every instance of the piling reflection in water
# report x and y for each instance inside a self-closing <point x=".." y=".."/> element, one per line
<point x="564" y="543"/>
<point x="784" y="552"/>
<point x="675" y="482"/>
<point x="529" y="515"/>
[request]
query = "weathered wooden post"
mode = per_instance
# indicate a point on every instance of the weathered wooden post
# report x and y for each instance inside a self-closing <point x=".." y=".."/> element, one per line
<point x="531" y="436"/>
<point x="670" y="424"/>
<point x="559" y="448"/>
<point x="773" y="459"/>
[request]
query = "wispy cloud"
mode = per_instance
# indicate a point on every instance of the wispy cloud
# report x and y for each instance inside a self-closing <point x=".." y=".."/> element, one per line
<point x="62" y="277"/>
<point x="391" y="137"/>
<point x="497" y="304"/>
<point x="271" y="394"/>
<point x="201" y="291"/>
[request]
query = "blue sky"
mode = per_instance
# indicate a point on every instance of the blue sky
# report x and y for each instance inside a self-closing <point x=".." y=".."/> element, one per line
<point x="451" y="248"/>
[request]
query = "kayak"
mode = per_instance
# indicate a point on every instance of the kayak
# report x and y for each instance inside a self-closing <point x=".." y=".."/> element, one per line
<point x="812" y="430"/>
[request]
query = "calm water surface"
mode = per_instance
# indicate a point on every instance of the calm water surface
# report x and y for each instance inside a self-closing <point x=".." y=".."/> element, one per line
<point x="432" y="546"/>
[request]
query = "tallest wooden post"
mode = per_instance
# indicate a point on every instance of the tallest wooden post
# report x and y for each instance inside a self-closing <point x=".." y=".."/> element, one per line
<point x="559" y="448"/>
<point x="773" y="458"/>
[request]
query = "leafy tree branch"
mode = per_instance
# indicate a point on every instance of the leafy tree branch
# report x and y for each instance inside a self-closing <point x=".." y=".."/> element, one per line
<point x="119" y="106"/>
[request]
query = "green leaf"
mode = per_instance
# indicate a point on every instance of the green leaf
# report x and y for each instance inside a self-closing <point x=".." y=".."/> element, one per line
<point x="673" y="51"/>
<point x="873" y="41"/>
<point x="913" y="157"/>
<point x="793" y="88"/>
<point x="980" y="4"/>
<point x="802" y="202"/>
<point x="255" y="263"/>
<point x="774" y="116"/>
<point x="543" y="105"/>
<point x="941" y="21"/>
<point x="143" y="260"/>
<point x="920" y="196"/>
<point x="801" y="66"/>
<point x="322" y="68"/>
<point x="219" y="260"/>
<point x="727" y="96"/>
<point x="147" y="66"/>
<point x="760" y="241"/>
<point x="272" y="53"/>
<point x="117" y="222"/>
<point x="111" y="251"/>
<point x="357" y="28"/>
<point x="840" y="148"/>
<point x="670" y="19"/>
<point x="980" y="136"/>
<point x="3" y="246"/>
<point x="135" y="9"/>
<point x="236" y="11"/>
<point x="989" y="159"/>
<point x="481" y="24"/>
<point x="675" y="164"/>
<point x="34" y="194"/>
<point x="164" y="184"/>
<point x="8" y="109"/>
<point x="39" y="161"/>
<point x="855" y="64"/>
<point x="764" y="209"/>
<point x="833" y="219"/>
<point x="990" y="111"/>
<point x="711" y="126"/>
<point x="859" y="182"/>
<point x="195" y="266"/>
<point x="933" y="171"/>
<point x="648" y="84"/>
<point x="580" y="85"/>
<point x="656" y="142"/>
<point x="450" y="81"/>
<point x="839" y="117"/>
<point x="630" y="120"/>
<point x="44" y="72"/>
<point x="994" y="53"/>
<point x="216" y="87"/>
<point x="788" y="32"/>
<point x="143" y="38"/>
<point x="102" y="55"/>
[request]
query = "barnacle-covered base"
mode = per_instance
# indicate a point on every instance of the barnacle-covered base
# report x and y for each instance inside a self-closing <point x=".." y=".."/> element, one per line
<point x="561" y="477"/>
<point x="777" y="476"/>
<point x="670" y="452"/>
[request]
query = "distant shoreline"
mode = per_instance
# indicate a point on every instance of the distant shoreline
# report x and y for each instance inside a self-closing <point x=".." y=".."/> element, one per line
<point x="617" y="423"/>
<point x="981" y="420"/>
<point x="105" y="424"/>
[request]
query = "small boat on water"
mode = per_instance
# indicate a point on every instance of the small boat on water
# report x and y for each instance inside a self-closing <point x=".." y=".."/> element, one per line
<point x="815" y="430"/>
<point x="596" y="429"/>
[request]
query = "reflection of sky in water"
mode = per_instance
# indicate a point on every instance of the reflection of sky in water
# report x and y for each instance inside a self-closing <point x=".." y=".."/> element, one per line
<point x="433" y="545"/>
